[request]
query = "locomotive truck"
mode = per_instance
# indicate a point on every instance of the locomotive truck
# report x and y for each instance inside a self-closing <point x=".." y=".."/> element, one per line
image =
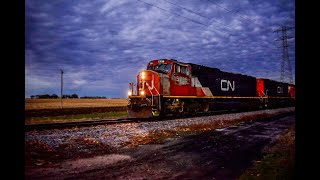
<point x="168" y="86"/>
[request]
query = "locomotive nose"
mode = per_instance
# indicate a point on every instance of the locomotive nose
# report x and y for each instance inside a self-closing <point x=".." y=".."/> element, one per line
<point x="147" y="82"/>
<point x="142" y="76"/>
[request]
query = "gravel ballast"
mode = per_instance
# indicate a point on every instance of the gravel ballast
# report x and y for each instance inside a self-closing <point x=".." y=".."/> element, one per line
<point x="117" y="135"/>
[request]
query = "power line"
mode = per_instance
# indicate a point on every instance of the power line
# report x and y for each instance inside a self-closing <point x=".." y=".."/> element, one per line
<point x="198" y="14"/>
<point x="183" y="17"/>
<point x="234" y="12"/>
<point x="226" y="33"/>
<point x="209" y="18"/>
<point x="193" y="12"/>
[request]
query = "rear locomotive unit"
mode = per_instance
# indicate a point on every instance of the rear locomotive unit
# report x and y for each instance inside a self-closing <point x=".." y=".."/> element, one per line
<point x="168" y="86"/>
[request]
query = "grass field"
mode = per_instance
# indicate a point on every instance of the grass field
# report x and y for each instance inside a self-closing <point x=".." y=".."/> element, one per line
<point x="49" y="110"/>
<point x="31" y="104"/>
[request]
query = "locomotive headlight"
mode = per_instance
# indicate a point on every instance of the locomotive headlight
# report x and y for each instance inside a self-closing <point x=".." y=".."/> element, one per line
<point x="143" y="75"/>
<point x="142" y="93"/>
<point x="129" y="93"/>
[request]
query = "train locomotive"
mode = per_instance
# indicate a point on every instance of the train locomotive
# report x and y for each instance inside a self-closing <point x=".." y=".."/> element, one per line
<point x="168" y="86"/>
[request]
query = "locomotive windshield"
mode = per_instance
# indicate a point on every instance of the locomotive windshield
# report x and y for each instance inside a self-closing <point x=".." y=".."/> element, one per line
<point x="163" y="68"/>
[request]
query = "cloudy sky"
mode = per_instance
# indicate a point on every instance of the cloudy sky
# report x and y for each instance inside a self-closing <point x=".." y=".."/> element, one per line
<point x="102" y="44"/>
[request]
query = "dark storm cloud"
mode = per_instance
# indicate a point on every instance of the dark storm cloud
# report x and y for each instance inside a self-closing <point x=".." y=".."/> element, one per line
<point x="102" y="44"/>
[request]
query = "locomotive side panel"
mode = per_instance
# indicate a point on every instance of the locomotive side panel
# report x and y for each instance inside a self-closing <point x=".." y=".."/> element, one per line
<point x="291" y="91"/>
<point x="247" y="86"/>
<point x="260" y="88"/>
<point x="223" y="83"/>
<point x="275" y="89"/>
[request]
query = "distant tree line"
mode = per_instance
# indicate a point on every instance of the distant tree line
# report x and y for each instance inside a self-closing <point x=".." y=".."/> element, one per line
<point x="65" y="96"/>
<point x="53" y="96"/>
<point x="93" y="97"/>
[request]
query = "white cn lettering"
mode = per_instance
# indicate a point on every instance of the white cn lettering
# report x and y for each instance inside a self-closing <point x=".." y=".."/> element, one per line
<point x="225" y="84"/>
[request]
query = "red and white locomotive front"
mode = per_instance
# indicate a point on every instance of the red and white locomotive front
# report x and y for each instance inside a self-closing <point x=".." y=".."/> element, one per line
<point x="144" y="96"/>
<point x="147" y="83"/>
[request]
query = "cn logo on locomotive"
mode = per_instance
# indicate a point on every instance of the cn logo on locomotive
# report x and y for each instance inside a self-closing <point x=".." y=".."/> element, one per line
<point x="226" y="84"/>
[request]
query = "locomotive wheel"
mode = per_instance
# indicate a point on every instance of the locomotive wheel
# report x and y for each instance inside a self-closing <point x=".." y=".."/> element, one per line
<point x="155" y="113"/>
<point x="205" y="107"/>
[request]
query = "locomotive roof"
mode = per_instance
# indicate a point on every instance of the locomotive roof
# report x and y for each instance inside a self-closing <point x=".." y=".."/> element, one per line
<point x="218" y="70"/>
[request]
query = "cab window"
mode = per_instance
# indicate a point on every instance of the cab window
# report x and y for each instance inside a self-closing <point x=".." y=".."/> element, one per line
<point x="181" y="69"/>
<point x="163" y="68"/>
<point x="176" y="68"/>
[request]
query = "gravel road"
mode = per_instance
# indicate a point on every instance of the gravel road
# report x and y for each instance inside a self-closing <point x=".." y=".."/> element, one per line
<point x="220" y="154"/>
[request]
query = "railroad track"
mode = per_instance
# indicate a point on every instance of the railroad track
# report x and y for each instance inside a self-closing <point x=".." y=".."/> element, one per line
<point x="87" y="123"/>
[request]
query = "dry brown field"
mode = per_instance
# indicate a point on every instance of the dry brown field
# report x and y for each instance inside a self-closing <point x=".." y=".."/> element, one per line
<point x="33" y="104"/>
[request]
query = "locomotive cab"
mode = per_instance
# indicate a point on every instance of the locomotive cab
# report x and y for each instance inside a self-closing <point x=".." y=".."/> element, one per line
<point x="162" y="88"/>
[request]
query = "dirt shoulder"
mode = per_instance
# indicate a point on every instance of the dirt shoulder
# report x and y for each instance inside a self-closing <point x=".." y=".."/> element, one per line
<point x="278" y="160"/>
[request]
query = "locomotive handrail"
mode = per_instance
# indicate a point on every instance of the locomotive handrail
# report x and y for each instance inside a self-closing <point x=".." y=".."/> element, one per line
<point x="152" y="95"/>
<point x="131" y="89"/>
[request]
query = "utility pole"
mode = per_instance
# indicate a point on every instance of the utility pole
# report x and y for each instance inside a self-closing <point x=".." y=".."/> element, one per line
<point x="285" y="55"/>
<point x="61" y="88"/>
